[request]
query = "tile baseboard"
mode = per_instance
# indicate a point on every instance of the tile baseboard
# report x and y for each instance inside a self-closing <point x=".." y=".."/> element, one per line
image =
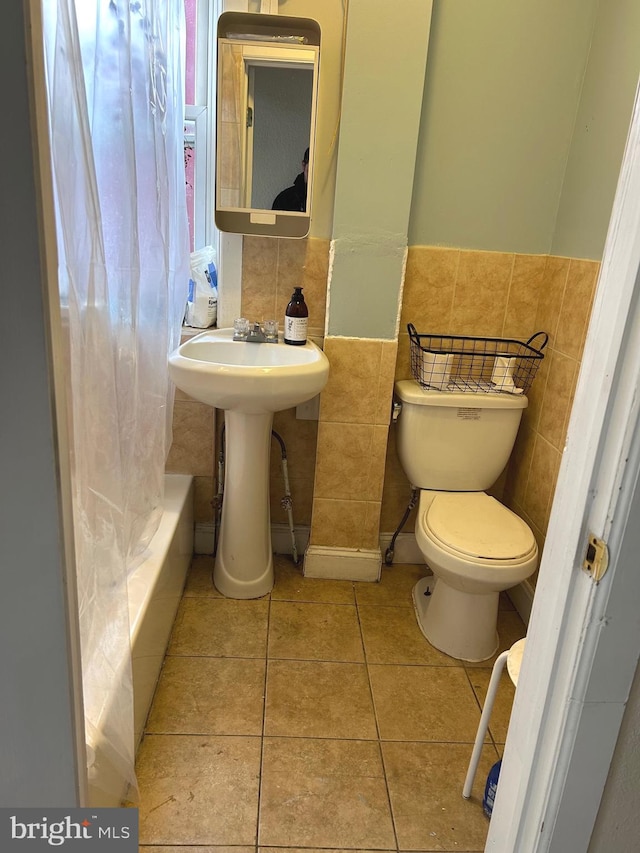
<point x="352" y="564"/>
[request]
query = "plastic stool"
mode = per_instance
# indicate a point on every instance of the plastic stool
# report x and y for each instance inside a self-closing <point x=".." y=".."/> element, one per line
<point x="512" y="658"/>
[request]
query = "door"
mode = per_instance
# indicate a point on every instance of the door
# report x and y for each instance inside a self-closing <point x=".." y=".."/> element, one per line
<point x="583" y="639"/>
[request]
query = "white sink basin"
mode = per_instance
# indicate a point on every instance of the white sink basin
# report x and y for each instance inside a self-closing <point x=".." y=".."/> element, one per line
<point x="250" y="382"/>
<point x="248" y="377"/>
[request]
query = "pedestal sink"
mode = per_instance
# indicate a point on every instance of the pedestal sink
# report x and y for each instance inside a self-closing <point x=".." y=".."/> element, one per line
<point x="250" y="381"/>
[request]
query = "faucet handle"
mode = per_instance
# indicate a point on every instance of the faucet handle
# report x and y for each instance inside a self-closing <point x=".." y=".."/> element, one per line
<point x="240" y="329"/>
<point x="270" y="329"/>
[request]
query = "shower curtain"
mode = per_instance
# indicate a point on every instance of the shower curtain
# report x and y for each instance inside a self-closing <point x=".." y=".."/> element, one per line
<point x="114" y="77"/>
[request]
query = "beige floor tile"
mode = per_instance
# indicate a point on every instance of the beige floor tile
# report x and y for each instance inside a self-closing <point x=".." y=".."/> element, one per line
<point x="200" y="577"/>
<point x="501" y="712"/>
<point x="214" y="696"/>
<point x="319" y="699"/>
<point x="394" y="587"/>
<point x="147" y="848"/>
<point x="306" y="631"/>
<point x="291" y="585"/>
<point x="220" y="627"/>
<point x="321" y="850"/>
<point x="510" y="629"/>
<point x="324" y="793"/>
<point x="430" y="703"/>
<point x="425" y="786"/>
<point x="198" y="790"/>
<point x="392" y="635"/>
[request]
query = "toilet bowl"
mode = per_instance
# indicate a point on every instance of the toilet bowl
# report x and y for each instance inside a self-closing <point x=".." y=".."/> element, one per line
<point x="453" y="446"/>
<point x="475" y="547"/>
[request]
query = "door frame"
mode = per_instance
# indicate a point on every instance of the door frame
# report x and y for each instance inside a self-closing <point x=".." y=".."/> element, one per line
<point x="583" y="640"/>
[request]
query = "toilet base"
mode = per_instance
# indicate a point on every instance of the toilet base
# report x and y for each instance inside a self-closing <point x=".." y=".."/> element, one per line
<point x="460" y="624"/>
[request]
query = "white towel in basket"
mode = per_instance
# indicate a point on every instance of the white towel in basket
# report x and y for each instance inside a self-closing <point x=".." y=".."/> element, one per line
<point x="502" y="375"/>
<point x="436" y="369"/>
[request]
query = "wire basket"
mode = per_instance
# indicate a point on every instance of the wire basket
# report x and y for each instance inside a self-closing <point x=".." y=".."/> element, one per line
<point x="457" y="363"/>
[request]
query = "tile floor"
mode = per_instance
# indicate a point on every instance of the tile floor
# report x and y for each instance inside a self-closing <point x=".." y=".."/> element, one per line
<point x="315" y="718"/>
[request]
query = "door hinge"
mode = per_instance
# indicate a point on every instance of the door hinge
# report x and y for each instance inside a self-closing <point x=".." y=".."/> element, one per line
<point x="596" y="560"/>
<point x="249" y="117"/>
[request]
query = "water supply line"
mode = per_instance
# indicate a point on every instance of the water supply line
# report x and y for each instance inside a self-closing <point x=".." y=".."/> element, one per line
<point x="413" y="500"/>
<point x="217" y="500"/>
<point x="286" y="502"/>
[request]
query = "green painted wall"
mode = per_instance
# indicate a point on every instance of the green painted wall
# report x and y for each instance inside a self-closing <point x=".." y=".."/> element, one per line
<point x="600" y="131"/>
<point x="386" y="50"/>
<point x="502" y="92"/>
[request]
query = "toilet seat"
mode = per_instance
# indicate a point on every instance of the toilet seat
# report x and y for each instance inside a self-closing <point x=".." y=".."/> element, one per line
<point x="474" y="526"/>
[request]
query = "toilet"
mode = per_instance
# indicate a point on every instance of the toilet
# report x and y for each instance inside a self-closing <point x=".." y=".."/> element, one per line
<point x="454" y="445"/>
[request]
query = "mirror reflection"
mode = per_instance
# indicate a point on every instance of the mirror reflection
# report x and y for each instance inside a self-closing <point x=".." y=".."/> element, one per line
<point x="267" y="84"/>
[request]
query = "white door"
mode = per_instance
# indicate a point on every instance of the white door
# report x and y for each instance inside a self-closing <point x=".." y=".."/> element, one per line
<point x="583" y="639"/>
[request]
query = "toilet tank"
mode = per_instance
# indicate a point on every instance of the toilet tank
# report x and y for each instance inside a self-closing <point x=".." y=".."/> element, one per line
<point x="455" y="441"/>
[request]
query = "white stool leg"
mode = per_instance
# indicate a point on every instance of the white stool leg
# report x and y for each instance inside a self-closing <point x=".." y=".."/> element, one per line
<point x="498" y="667"/>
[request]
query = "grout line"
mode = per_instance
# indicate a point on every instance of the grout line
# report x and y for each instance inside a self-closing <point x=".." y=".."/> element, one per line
<point x="264" y="719"/>
<point x="375" y="717"/>
<point x="377" y="739"/>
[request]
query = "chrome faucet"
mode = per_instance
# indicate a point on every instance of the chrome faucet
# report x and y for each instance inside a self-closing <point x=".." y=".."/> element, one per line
<point x="255" y="333"/>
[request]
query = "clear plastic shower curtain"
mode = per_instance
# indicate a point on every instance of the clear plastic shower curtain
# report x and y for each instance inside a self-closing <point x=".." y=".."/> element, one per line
<point x="115" y="92"/>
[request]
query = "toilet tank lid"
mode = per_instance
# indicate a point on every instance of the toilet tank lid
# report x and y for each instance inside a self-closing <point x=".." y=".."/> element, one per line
<point x="410" y="391"/>
<point x="477" y="525"/>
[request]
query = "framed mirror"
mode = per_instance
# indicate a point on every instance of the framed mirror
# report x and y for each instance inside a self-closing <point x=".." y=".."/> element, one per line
<point x="267" y="82"/>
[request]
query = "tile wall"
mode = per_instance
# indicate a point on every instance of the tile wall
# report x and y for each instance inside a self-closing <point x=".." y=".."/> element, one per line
<point x="496" y="294"/>
<point x="360" y="488"/>
<point x="271" y="269"/>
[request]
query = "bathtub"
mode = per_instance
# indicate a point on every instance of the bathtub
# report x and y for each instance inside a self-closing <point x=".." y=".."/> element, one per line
<point x="154" y="588"/>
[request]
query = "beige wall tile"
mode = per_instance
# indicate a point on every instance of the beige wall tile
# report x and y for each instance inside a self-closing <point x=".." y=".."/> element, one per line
<point x="403" y="359"/>
<point x="524" y="293"/>
<point x="259" y="279"/>
<point x="304" y="263"/>
<point x="203" y="497"/>
<point x="394" y="503"/>
<point x="551" y="296"/>
<point x="520" y="467"/>
<point x="192" y="447"/>
<point x="300" y="438"/>
<point x="388" y="355"/>
<point x="576" y="307"/>
<point x="535" y="394"/>
<point x="480" y="299"/>
<point x="543" y="474"/>
<point x="301" y="496"/>
<point x="344" y="524"/>
<point x="427" y="298"/>
<point x="350" y="395"/>
<point x="350" y="463"/>
<point x="557" y="398"/>
<point x="394" y="474"/>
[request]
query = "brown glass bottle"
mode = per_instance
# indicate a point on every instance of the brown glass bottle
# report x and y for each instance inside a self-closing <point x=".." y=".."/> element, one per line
<point x="296" y="319"/>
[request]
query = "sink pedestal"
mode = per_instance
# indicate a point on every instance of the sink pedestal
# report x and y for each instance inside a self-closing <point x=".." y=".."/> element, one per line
<point x="244" y="560"/>
<point x="249" y="381"/>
